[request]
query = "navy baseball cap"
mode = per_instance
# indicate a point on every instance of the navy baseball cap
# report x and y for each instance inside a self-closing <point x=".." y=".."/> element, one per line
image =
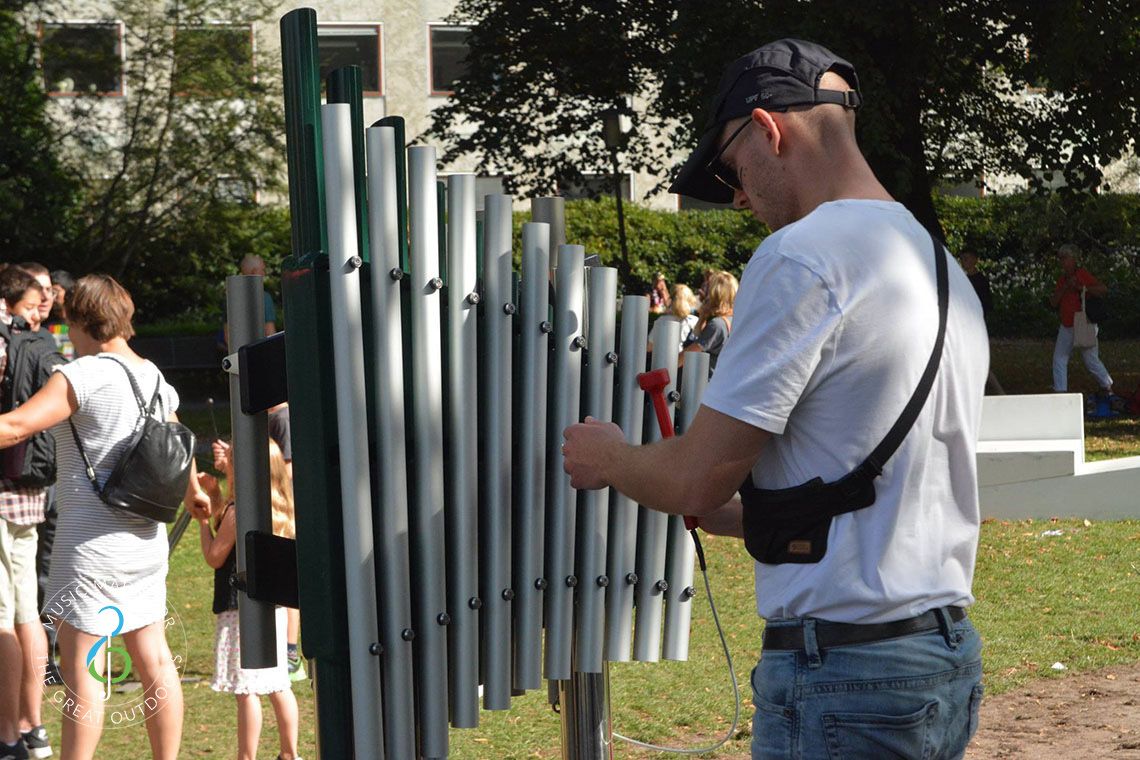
<point x="774" y="77"/>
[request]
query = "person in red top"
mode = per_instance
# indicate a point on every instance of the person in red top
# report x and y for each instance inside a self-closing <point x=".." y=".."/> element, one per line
<point x="1067" y="297"/>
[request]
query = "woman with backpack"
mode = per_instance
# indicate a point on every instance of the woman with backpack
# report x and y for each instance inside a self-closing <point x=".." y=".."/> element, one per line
<point x="108" y="575"/>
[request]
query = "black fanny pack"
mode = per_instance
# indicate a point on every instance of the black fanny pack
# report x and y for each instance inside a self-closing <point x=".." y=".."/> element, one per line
<point x="791" y="524"/>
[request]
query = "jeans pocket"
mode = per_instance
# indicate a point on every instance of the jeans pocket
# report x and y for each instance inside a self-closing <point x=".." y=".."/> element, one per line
<point x="867" y="736"/>
<point x="975" y="708"/>
<point x="771" y="731"/>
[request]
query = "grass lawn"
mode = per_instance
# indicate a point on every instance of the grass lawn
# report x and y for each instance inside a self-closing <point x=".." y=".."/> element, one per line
<point x="1042" y="598"/>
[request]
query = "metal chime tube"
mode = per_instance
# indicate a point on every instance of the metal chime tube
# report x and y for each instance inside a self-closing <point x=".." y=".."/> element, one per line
<point x="497" y="317"/>
<point x="462" y="463"/>
<point x="622" y="534"/>
<point x="348" y="360"/>
<point x="530" y="475"/>
<point x="680" y="551"/>
<point x="393" y="571"/>
<point x="552" y="211"/>
<point x="565" y="390"/>
<point x="652" y="525"/>
<point x="245" y="310"/>
<point x="593" y="505"/>
<point x="426" y="513"/>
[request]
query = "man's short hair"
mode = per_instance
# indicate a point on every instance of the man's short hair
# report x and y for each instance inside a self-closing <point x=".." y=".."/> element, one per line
<point x="101" y="307"/>
<point x="35" y="268"/>
<point x="14" y="283"/>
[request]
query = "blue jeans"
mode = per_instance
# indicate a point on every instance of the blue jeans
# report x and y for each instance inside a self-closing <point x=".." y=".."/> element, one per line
<point x="911" y="697"/>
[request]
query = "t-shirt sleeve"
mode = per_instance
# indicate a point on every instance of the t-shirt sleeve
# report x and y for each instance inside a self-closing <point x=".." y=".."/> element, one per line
<point x="78" y="374"/>
<point x="784" y="316"/>
<point x="1086" y="279"/>
<point x="711" y="338"/>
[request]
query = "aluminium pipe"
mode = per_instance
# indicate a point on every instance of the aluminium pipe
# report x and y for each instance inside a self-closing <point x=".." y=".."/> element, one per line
<point x="593" y="505"/>
<point x="426" y="512"/>
<point x="245" y="314"/>
<point x="565" y="390"/>
<point x="462" y="484"/>
<point x="629" y="406"/>
<point x="530" y="465"/>
<point x="652" y="525"/>
<point x="680" y="551"/>
<point x="391" y="504"/>
<point x="497" y="329"/>
<point x="351" y="406"/>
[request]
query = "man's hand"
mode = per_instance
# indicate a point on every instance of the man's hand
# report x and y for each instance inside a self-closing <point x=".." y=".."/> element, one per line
<point x="588" y="452"/>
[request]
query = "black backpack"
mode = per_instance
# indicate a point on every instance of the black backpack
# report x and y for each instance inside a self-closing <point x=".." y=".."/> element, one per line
<point x="150" y="478"/>
<point x="31" y="357"/>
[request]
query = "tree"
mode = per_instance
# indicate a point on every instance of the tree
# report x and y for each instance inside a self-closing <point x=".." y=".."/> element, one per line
<point x="953" y="89"/>
<point x="196" y="130"/>
<point x="37" y="198"/>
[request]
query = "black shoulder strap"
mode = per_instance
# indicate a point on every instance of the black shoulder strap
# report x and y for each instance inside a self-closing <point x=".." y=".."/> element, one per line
<point x="873" y="465"/>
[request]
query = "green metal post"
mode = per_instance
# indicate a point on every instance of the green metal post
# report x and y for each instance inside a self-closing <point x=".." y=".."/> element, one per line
<point x="316" y="487"/>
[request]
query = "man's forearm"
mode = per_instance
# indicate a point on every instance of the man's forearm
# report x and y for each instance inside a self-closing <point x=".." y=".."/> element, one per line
<point x="650" y="476"/>
<point x="726" y="521"/>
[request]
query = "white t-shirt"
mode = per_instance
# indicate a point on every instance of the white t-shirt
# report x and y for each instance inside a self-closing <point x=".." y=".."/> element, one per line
<point x="835" y="321"/>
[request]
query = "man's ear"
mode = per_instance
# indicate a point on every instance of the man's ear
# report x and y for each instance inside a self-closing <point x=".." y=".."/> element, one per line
<point x="770" y="127"/>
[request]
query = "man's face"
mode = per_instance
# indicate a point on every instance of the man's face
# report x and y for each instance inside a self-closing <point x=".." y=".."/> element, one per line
<point x="1068" y="264"/>
<point x="48" y="295"/>
<point x="764" y="189"/>
<point x="255" y="268"/>
<point x="28" y="307"/>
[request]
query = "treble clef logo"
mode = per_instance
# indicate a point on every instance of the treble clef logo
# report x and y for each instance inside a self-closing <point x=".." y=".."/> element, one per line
<point x="92" y="653"/>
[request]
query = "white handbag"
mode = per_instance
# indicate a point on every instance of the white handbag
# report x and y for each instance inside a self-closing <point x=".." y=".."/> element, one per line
<point x="1084" y="331"/>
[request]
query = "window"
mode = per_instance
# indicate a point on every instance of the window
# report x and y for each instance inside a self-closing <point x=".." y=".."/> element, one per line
<point x="594" y="186"/>
<point x="448" y="56"/>
<point x="339" y="46"/>
<point x="685" y="203"/>
<point x="81" y="59"/>
<point x="212" y="60"/>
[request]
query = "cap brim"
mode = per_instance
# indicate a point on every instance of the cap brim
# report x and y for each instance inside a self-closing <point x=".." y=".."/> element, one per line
<point x="694" y="179"/>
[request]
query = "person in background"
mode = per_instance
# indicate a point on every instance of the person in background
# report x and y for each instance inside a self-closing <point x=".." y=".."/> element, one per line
<point x="659" y="299"/>
<point x="62" y="283"/>
<point x="981" y="285"/>
<point x="1066" y="298"/>
<point x="43" y="277"/>
<point x="681" y="311"/>
<point x="23" y="642"/>
<point x="105" y="559"/>
<point x="714" y="323"/>
<point x="218" y="534"/>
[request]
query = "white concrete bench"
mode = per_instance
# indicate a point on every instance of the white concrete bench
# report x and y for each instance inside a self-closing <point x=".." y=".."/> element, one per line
<point x="1031" y="463"/>
<point x="1030" y="437"/>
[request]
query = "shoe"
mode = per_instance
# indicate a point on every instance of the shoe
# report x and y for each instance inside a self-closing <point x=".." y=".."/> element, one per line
<point x="15" y="751"/>
<point x="297" y="670"/>
<point x="37" y="743"/>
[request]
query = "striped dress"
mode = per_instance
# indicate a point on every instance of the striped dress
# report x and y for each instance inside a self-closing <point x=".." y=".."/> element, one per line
<point x="105" y="556"/>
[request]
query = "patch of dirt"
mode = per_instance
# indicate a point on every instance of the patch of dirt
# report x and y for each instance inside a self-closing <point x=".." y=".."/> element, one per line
<point x="1086" y="716"/>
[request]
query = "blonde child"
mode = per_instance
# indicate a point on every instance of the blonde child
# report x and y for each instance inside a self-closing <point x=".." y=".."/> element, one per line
<point x="218" y="543"/>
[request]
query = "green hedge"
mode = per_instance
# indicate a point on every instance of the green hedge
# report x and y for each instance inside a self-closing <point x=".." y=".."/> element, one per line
<point x="1015" y="236"/>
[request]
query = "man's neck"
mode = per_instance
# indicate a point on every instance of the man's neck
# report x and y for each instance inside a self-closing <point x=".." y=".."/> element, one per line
<point x="846" y="176"/>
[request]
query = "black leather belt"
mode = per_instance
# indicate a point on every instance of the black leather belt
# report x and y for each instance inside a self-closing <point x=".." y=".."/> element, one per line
<point x="791" y="637"/>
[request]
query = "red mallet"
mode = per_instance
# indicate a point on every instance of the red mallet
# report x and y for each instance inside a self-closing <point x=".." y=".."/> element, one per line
<point x="654" y="383"/>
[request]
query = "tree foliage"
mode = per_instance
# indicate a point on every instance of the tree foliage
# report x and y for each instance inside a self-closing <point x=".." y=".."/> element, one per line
<point x="175" y="160"/>
<point x="36" y="195"/>
<point x="954" y="90"/>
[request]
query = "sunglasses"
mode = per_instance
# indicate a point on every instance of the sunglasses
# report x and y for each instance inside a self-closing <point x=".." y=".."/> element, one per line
<point x="722" y="171"/>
